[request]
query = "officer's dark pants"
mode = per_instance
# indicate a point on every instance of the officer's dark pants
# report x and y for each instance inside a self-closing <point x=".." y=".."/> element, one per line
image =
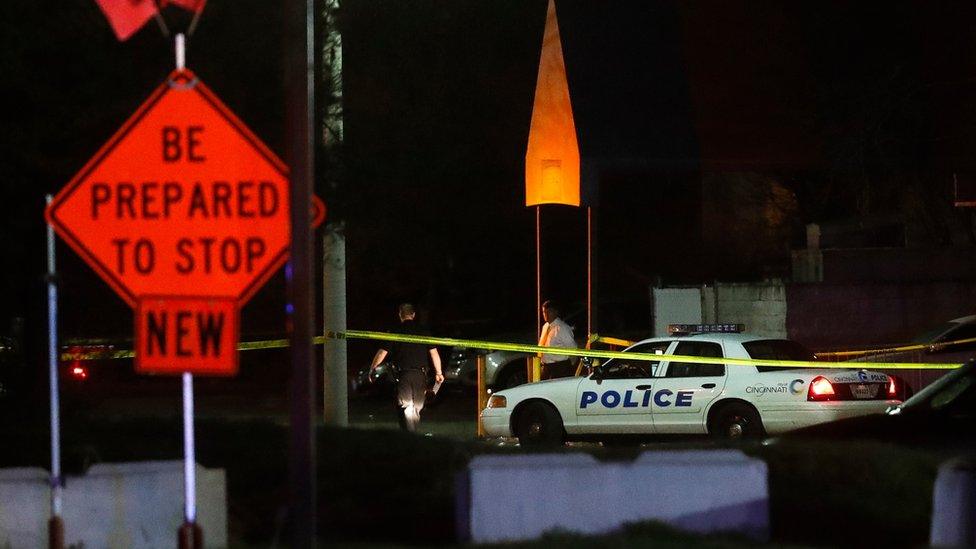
<point x="411" y="392"/>
<point x="552" y="370"/>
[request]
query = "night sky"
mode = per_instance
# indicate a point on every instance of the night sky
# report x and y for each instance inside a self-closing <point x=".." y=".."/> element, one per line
<point x="836" y="110"/>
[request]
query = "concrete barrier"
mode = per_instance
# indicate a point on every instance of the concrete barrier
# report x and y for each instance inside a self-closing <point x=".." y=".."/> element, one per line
<point x="24" y="507"/>
<point x="113" y="505"/>
<point x="502" y="498"/>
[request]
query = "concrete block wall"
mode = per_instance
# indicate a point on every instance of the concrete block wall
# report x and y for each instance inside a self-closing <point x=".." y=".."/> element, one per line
<point x="761" y="306"/>
<point x="114" y="505"/>
<point x="519" y="497"/>
<point x="675" y="306"/>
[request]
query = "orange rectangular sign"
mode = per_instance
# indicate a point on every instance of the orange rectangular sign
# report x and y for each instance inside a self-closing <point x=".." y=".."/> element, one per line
<point x="552" y="158"/>
<point x="186" y="334"/>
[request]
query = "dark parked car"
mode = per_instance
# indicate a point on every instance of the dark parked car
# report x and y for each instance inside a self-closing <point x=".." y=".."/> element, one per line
<point x="382" y="380"/>
<point x="940" y="346"/>
<point x="941" y="416"/>
<point x="379" y="380"/>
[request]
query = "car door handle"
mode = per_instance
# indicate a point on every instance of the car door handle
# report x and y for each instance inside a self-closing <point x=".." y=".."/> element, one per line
<point x="708" y="385"/>
<point x="643" y="387"/>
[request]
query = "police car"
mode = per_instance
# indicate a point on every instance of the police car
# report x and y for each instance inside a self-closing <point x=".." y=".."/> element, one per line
<point x="625" y="399"/>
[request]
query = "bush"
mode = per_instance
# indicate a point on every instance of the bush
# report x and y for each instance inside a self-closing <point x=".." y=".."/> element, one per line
<point x="858" y="493"/>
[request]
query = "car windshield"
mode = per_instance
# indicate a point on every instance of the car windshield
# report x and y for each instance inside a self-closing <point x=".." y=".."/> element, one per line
<point x="776" y="349"/>
<point x="954" y="392"/>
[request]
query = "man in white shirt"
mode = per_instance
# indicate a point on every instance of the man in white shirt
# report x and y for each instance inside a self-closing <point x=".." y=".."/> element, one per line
<point x="555" y="333"/>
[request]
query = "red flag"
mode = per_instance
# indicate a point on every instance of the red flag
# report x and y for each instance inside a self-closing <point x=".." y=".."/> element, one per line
<point x="127" y="16"/>
<point x="190" y="5"/>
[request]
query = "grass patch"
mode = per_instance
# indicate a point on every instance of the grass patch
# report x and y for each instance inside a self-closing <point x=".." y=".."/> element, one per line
<point x="643" y="534"/>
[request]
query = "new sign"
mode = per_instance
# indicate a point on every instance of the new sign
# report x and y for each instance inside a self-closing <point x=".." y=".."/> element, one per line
<point x="185" y="213"/>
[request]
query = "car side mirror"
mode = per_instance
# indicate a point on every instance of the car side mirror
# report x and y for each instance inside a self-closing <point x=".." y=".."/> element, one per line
<point x="586" y="365"/>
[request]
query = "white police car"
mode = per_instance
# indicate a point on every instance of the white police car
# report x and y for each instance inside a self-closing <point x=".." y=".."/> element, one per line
<point x="624" y="399"/>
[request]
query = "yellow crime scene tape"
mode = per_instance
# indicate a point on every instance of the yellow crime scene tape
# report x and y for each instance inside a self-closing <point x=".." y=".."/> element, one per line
<point x="917" y="347"/>
<point x="111" y="353"/>
<point x="569" y="351"/>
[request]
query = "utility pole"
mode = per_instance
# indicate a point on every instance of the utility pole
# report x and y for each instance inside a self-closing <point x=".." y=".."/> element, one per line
<point x="299" y="140"/>
<point x="335" y="386"/>
<point x="336" y="392"/>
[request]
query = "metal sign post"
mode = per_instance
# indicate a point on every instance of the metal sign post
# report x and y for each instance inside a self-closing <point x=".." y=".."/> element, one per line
<point x="56" y="524"/>
<point x="190" y="534"/>
<point x="534" y="371"/>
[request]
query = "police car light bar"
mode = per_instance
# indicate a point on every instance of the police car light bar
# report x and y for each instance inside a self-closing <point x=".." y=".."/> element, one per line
<point x="685" y="329"/>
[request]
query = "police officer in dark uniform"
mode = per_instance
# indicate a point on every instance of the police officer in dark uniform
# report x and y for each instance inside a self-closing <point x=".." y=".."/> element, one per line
<point x="411" y="360"/>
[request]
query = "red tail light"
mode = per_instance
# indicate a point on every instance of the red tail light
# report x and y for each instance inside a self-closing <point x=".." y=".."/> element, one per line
<point x="79" y="372"/>
<point x="892" y="390"/>
<point x="820" y="389"/>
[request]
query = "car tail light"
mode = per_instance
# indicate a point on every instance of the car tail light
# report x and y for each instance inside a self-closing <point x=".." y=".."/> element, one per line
<point x="79" y="372"/>
<point x="820" y="389"/>
<point x="892" y="390"/>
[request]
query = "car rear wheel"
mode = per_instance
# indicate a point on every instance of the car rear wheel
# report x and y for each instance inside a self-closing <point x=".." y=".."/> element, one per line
<point x="538" y="425"/>
<point x="736" y="421"/>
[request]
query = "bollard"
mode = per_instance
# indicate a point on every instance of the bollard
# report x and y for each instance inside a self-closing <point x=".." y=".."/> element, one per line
<point x="954" y="504"/>
<point x="535" y="368"/>
<point x="190" y="536"/>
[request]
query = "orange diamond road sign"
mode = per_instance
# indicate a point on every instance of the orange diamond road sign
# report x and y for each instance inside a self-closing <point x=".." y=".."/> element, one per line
<point x="185" y="213"/>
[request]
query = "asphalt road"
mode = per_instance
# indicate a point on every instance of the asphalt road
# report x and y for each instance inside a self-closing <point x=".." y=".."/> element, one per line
<point x="453" y="414"/>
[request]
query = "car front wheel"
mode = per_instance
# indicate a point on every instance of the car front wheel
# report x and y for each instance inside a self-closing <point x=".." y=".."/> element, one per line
<point x="538" y="425"/>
